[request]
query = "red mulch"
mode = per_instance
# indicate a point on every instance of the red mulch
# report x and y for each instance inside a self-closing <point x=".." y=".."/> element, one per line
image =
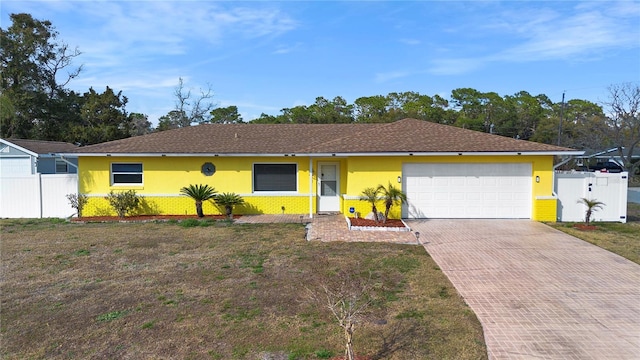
<point x="373" y="223"/>
<point x="143" y="218"/>
<point x="585" y="227"/>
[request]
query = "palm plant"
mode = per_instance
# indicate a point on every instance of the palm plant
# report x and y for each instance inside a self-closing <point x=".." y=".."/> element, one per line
<point x="391" y="195"/>
<point x="592" y="205"/>
<point x="229" y="200"/>
<point x="199" y="193"/>
<point x="370" y="195"/>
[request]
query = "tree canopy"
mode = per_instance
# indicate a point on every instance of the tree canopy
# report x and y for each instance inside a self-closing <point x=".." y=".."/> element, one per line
<point x="36" y="67"/>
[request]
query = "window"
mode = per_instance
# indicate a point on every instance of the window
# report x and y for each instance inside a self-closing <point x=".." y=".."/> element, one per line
<point x="275" y="177"/>
<point x="61" y="167"/>
<point x="126" y="173"/>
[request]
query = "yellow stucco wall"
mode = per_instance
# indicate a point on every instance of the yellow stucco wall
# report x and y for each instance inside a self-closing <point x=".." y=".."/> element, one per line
<point x="164" y="176"/>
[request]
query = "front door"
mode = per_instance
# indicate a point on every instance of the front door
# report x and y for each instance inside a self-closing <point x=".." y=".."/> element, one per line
<point x="328" y="185"/>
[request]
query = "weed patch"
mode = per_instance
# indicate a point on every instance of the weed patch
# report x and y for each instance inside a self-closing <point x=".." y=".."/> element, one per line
<point x="110" y="316"/>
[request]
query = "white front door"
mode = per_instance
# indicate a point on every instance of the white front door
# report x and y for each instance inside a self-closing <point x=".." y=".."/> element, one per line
<point x="328" y="185"/>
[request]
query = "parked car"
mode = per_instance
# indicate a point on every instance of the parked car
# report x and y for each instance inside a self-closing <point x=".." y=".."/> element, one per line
<point x="605" y="166"/>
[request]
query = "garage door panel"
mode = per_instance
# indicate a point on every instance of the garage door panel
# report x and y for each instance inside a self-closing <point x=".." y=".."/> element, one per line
<point x="468" y="190"/>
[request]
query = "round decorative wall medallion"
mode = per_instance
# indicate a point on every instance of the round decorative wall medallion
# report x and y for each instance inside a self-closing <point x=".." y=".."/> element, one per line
<point x="208" y="169"/>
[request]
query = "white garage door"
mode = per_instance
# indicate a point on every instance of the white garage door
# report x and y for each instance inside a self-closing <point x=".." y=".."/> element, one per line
<point x="472" y="191"/>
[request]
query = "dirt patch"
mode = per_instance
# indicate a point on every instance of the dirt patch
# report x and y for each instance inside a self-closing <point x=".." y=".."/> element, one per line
<point x="585" y="227"/>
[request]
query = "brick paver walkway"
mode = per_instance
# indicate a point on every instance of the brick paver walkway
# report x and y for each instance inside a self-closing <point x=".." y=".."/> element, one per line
<point x="539" y="293"/>
<point x="334" y="228"/>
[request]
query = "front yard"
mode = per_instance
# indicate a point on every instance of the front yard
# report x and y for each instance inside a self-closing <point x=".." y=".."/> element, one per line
<point x="160" y="290"/>
<point x="619" y="238"/>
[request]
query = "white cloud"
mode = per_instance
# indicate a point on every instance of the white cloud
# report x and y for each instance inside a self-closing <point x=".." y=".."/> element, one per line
<point x="586" y="31"/>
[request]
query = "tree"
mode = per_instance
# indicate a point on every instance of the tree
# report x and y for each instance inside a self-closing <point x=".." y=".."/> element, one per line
<point x="371" y="109"/>
<point x="370" y="195"/>
<point x="624" y="120"/>
<point x="31" y="60"/>
<point x="140" y="124"/>
<point x="348" y="298"/>
<point x="391" y="195"/>
<point x="335" y="111"/>
<point x="592" y="205"/>
<point x="583" y="126"/>
<point x="172" y="120"/>
<point x="265" y="119"/>
<point x="192" y="109"/>
<point x="226" y="115"/>
<point x="103" y="118"/>
<point x="199" y="193"/>
<point x="228" y="201"/>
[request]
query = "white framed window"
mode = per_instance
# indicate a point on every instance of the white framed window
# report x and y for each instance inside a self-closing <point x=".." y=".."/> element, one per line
<point x="61" y="167"/>
<point x="126" y="174"/>
<point x="275" y="177"/>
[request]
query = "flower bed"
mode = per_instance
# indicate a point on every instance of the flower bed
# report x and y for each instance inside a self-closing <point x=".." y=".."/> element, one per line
<point x="148" y="218"/>
<point x="372" y="225"/>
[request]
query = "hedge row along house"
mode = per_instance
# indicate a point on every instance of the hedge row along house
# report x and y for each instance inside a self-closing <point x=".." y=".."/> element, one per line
<point x="446" y="172"/>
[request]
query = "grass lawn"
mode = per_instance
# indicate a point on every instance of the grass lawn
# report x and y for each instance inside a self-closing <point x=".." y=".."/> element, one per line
<point x="619" y="238"/>
<point x="160" y="290"/>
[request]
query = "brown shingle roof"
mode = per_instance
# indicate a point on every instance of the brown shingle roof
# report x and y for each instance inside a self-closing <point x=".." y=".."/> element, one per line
<point x="44" y="147"/>
<point x="408" y="135"/>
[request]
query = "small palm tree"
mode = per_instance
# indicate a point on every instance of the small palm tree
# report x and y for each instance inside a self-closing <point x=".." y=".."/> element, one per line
<point x="391" y="195"/>
<point x="199" y="193"/>
<point x="592" y="205"/>
<point x="370" y="195"/>
<point x="229" y="200"/>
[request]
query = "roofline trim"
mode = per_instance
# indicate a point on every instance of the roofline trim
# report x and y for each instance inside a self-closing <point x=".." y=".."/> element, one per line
<point x="25" y="150"/>
<point x="329" y="154"/>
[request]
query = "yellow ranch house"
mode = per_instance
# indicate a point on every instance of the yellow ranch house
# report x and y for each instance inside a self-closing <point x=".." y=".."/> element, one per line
<point x="445" y="171"/>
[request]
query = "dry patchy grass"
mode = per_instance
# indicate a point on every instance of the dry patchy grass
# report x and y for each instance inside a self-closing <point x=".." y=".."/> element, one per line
<point x="158" y="290"/>
<point x="619" y="238"/>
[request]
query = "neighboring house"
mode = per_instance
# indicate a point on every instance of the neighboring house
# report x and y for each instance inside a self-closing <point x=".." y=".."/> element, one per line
<point x="446" y="172"/>
<point x="35" y="178"/>
<point x="27" y="157"/>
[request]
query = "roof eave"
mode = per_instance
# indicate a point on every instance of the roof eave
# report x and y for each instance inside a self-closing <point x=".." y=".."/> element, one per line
<point x="25" y="150"/>
<point x="331" y="154"/>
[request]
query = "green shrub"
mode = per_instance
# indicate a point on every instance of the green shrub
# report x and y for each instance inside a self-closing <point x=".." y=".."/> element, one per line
<point x="187" y="223"/>
<point x="78" y="201"/>
<point x="123" y="202"/>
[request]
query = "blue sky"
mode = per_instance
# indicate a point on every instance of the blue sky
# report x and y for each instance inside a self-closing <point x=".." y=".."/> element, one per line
<point x="264" y="56"/>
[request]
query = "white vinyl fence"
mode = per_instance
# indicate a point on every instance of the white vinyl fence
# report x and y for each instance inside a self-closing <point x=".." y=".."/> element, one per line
<point x="37" y="196"/>
<point x="608" y="188"/>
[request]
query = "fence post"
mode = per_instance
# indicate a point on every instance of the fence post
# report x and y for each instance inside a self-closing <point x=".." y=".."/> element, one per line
<point x="40" y="194"/>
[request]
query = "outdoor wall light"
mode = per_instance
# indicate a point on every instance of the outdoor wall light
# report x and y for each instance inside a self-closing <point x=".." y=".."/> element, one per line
<point x="537" y="179"/>
<point x="399" y="179"/>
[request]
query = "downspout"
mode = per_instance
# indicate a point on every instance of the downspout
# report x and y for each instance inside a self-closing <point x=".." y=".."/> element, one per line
<point x="553" y="176"/>
<point x="69" y="162"/>
<point x="310" y="187"/>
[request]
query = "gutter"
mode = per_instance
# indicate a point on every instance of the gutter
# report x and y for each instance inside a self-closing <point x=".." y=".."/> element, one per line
<point x="357" y="154"/>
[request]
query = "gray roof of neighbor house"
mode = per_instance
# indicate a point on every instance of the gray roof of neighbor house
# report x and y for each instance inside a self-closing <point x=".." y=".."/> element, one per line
<point x="403" y="136"/>
<point x="44" y="147"/>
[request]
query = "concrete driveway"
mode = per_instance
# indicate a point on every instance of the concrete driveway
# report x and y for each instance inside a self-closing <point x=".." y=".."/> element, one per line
<point x="539" y="294"/>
